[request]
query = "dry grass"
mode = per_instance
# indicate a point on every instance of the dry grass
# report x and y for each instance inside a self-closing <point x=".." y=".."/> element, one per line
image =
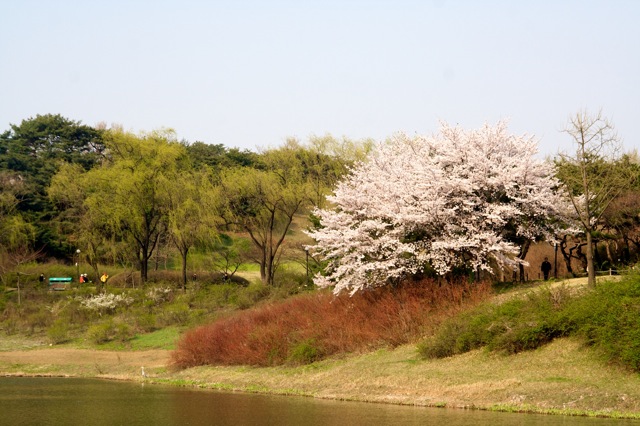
<point x="82" y="363"/>
<point x="561" y="377"/>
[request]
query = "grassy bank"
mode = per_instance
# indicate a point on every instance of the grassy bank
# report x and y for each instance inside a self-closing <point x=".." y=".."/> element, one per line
<point x="561" y="378"/>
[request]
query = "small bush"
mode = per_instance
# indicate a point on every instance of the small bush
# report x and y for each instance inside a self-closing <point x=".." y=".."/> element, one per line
<point x="159" y="295"/>
<point x="58" y="332"/>
<point x="122" y="332"/>
<point x="83" y="291"/>
<point x="305" y="352"/>
<point x="246" y="297"/>
<point x="446" y="343"/>
<point x="71" y="311"/>
<point x="216" y="296"/>
<point x="289" y="282"/>
<point x="146" y="322"/>
<point x="110" y="330"/>
<point x="38" y="320"/>
<point x="101" y="333"/>
<point x="175" y="314"/>
<point x="10" y="326"/>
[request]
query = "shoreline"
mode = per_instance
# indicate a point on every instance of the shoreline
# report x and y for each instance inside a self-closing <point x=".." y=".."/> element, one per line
<point x="561" y="379"/>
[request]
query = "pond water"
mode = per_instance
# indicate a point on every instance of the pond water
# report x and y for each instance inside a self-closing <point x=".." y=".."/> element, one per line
<point x="60" y="401"/>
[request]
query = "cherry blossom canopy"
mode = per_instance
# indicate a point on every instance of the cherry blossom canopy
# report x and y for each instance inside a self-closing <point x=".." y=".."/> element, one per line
<point x="458" y="198"/>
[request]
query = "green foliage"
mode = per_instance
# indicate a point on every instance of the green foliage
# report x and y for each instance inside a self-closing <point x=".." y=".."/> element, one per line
<point x="39" y="319"/>
<point x="34" y="150"/>
<point x="510" y="327"/>
<point x="109" y="330"/>
<point x="123" y="332"/>
<point x="58" y="332"/>
<point x="117" y="196"/>
<point x="10" y="326"/>
<point x="305" y="352"/>
<point x="594" y="176"/>
<point x="115" y="316"/>
<point x="102" y="332"/>
<point x="175" y="314"/>
<point x="228" y="254"/>
<point x="263" y="204"/>
<point x="160" y="339"/>
<point x="290" y="281"/>
<point x="192" y="213"/>
<point x="217" y="156"/>
<point x="146" y="322"/>
<point x="250" y="295"/>
<point x="607" y="318"/>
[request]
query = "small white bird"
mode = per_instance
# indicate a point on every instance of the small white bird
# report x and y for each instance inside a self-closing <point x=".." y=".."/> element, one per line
<point x="144" y="375"/>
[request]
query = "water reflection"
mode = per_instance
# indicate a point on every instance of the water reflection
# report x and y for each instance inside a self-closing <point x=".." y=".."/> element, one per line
<point x="53" y="401"/>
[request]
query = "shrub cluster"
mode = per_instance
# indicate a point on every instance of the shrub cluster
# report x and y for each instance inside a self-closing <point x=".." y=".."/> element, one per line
<point x="117" y="314"/>
<point x="609" y="320"/>
<point x="606" y="318"/>
<point x="512" y="326"/>
<point x="309" y="327"/>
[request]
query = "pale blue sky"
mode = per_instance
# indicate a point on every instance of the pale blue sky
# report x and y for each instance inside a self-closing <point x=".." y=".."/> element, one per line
<point x="249" y="74"/>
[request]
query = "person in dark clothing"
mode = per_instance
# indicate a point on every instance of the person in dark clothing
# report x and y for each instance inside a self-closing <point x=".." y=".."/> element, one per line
<point x="545" y="268"/>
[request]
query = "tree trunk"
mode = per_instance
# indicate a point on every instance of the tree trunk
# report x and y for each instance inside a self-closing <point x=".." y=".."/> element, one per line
<point x="144" y="273"/>
<point x="184" y="253"/>
<point x="607" y="246"/>
<point x="591" y="271"/>
<point x="566" y="256"/>
<point x="263" y="273"/>
<point x="524" y="249"/>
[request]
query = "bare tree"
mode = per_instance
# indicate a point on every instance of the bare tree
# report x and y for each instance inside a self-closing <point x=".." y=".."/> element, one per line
<point x="594" y="175"/>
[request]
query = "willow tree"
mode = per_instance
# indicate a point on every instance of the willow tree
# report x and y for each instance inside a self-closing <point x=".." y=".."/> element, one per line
<point x="84" y="227"/>
<point x="594" y="175"/>
<point x="193" y="213"/>
<point x="263" y="203"/>
<point x="321" y="162"/>
<point x="127" y="196"/>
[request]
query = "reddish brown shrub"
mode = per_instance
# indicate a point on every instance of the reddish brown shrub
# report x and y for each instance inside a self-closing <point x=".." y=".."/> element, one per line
<point x="330" y="324"/>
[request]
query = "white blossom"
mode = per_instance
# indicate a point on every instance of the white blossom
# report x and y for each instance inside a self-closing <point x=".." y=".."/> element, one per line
<point x="456" y="198"/>
<point x="106" y="302"/>
<point x="159" y="294"/>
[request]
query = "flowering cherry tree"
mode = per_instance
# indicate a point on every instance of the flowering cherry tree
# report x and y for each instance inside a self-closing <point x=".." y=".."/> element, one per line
<point x="458" y="198"/>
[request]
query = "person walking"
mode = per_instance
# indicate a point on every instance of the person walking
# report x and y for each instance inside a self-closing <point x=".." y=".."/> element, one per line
<point x="545" y="268"/>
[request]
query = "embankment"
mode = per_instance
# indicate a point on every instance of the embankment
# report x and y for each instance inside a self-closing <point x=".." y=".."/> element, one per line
<point x="560" y="378"/>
